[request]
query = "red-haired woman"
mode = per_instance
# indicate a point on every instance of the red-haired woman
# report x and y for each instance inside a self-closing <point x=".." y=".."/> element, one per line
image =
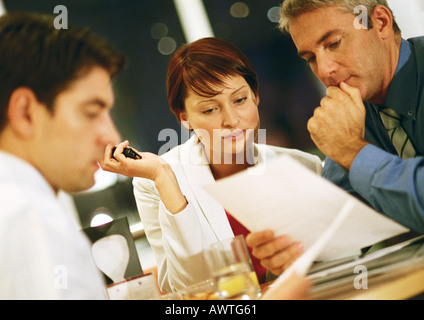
<point x="213" y="91"/>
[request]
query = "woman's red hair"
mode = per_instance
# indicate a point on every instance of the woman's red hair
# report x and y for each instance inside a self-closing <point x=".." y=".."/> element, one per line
<point x="204" y="63"/>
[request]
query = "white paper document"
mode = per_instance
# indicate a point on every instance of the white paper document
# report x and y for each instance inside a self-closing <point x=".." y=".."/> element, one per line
<point x="288" y="198"/>
<point x="304" y="262"/>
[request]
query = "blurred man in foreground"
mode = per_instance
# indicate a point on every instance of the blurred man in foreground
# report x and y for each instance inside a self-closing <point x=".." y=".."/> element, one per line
<point x="55" y="99"/>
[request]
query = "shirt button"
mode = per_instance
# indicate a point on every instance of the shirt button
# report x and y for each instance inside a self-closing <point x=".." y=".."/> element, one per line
<point x="410" y="113"/>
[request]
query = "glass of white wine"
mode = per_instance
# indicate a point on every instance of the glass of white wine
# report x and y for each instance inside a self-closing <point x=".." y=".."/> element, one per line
<point x="231" y="267"/>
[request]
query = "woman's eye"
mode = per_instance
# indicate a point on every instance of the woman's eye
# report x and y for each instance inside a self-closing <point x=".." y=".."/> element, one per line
<point x="241" y="100"/>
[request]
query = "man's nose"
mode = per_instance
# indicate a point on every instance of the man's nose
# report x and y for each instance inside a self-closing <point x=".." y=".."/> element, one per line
<point x="109" y="132"/>
<point x="326" y="69"/>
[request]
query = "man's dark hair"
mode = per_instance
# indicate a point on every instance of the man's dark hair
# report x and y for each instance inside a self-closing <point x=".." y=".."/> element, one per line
<point x="35" y="55"/>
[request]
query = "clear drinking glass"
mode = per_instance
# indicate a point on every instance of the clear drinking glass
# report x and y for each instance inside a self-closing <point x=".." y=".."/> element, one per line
<point x="204" y="290"/>
<point x="230" y="265"/>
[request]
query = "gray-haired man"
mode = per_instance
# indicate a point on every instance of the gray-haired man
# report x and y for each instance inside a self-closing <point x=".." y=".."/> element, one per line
<point x="371" y="123"/>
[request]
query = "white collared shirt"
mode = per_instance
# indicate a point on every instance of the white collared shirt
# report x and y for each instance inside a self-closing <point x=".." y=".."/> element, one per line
<point x="44" y="254"/>
<point x="178" y="239"/>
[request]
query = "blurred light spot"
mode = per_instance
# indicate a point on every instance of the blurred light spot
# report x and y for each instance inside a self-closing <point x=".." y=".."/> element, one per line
<point x="239" y="10"/>
<point x="167" y="45"/>
<point x="103" y="180"/>
<point x="273" y="14"/>
<point x="2" y="8"/>
<point x="159" y="30"/>
<point x="194" y="19"/>
<point x="100" y="219"/>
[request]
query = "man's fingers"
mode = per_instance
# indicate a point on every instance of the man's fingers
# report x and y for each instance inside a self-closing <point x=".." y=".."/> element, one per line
<point x="352" y="92"/>
<point x="333" y="92"/>
<point x="337" y="93"/>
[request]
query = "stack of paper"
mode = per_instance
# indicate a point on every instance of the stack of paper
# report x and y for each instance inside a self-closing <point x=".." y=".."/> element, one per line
<point x="286" y="197"/>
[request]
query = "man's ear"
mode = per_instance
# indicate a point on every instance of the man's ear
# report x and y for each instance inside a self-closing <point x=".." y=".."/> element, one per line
<point x="382" y="21"/>
<point x="184" y="120"/>
<point x="20" y="112"/>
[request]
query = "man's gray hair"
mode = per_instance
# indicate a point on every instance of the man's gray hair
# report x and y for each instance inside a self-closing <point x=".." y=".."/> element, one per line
<point x="290" y="9"/>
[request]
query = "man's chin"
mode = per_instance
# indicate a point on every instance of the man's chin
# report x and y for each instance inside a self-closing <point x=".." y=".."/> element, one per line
<point x="80" y="186"/>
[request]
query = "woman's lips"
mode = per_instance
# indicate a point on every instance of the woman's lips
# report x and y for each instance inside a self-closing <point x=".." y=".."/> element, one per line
<point x="235" y="135"/>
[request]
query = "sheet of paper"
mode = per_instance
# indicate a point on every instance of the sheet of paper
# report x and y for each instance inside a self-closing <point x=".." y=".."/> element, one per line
<point x="303" y="263"/>
<point x="369" y="257"/>
<point x="288" y="198"/>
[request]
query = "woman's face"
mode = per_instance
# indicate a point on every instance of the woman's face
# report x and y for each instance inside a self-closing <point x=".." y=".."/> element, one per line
<point x="226" y="123"/>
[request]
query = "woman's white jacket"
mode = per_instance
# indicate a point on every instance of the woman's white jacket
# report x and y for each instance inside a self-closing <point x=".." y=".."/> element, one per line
<point x="178" y="240"/>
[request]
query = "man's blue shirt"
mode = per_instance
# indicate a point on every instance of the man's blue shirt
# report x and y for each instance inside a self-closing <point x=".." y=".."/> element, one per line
<point x="378" y="175"/>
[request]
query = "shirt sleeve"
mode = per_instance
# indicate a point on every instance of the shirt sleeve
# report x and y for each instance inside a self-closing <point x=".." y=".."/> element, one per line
<point x="176" y="240"/>
<point x="391" y="185"/>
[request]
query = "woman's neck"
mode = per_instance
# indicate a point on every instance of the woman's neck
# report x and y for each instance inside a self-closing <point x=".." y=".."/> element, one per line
<point x="220" y="171"/>
<point x="228" y="166"/>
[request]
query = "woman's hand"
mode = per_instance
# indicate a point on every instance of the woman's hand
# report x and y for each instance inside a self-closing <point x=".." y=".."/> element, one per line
<point x="147" y="167"/>
<point x="275" y="254"/>
<point x="151" y="167"/>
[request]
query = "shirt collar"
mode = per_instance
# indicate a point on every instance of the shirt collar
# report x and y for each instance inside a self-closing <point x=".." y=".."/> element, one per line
<point x="23" y="172"/>
<point x="402" y="94"/>
<point x="404" y="55"/>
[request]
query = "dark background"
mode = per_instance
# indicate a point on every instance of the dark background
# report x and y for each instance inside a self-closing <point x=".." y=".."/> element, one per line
<point x="288" y="91"/>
